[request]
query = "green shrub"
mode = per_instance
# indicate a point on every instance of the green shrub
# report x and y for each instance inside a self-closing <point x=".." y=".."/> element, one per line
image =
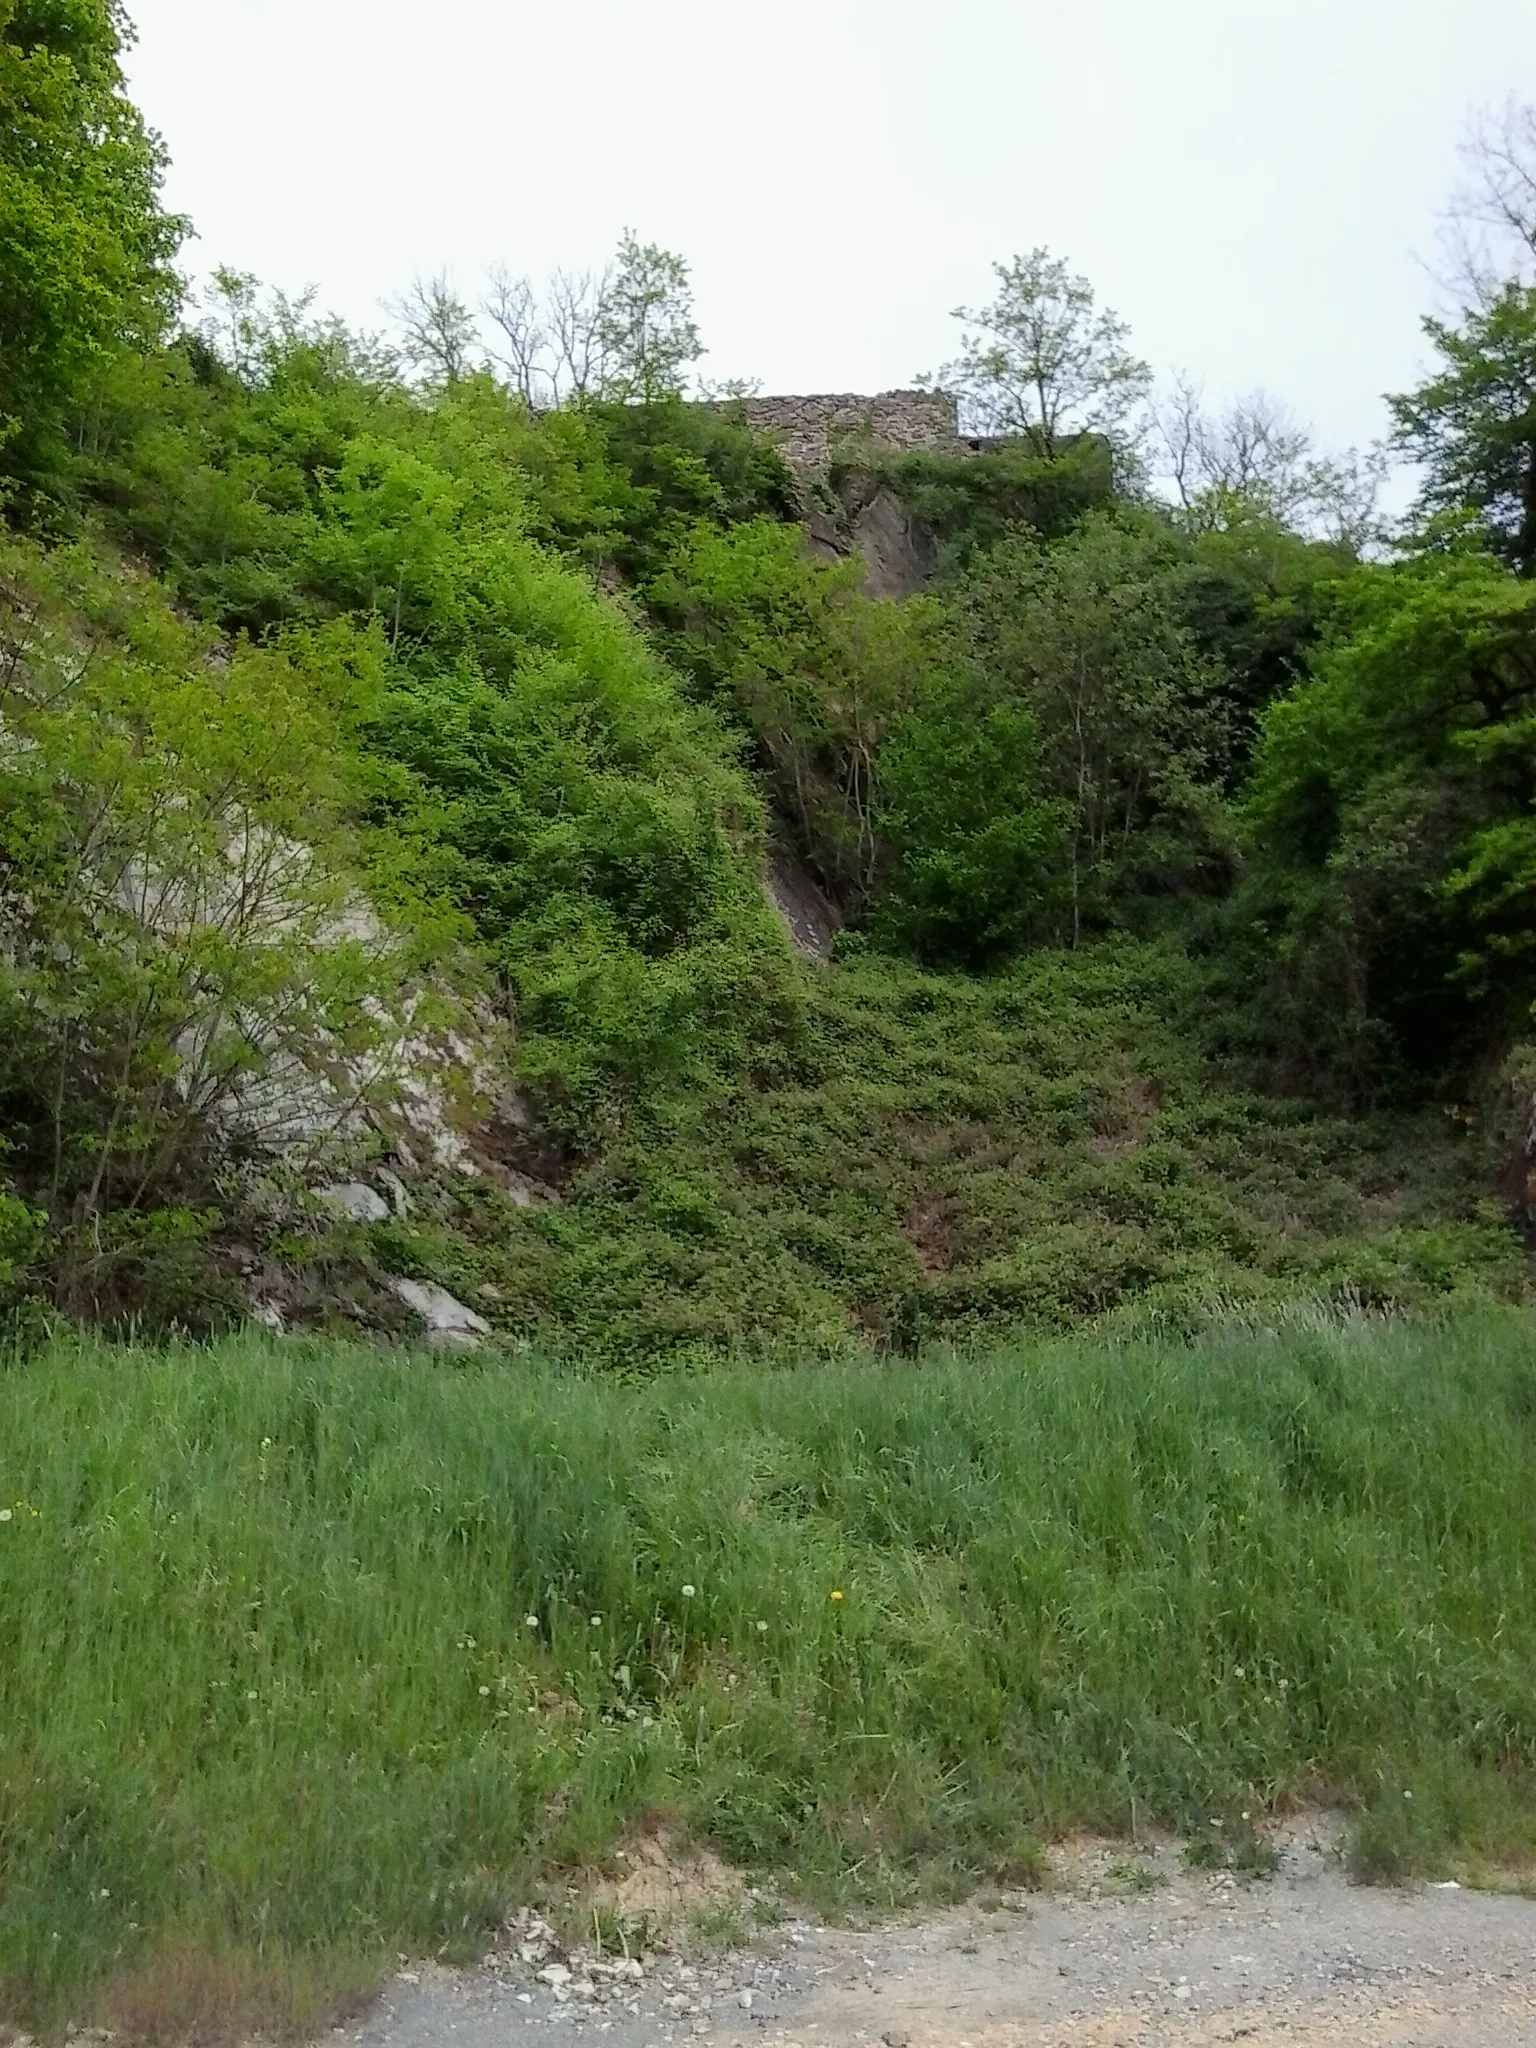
<point x="1389" y="828"/>
<point x="815" y="671"/>
<point x="177" y="890"/>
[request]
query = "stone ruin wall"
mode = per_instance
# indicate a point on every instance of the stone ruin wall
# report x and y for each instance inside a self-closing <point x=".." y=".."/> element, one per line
<point x="810" y="429"/>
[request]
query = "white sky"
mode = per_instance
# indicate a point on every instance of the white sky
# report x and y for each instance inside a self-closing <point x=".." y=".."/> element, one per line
<point x="1253" y="185"/>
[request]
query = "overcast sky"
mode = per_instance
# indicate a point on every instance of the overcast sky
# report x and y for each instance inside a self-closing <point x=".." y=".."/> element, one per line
<point x="1253" y="184"/>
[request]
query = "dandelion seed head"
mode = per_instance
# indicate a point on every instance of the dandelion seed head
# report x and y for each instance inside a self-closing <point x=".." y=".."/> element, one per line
<point x="530" y="1621"/>
<point x="485" y="1692"/>
<point x="5" y="1514"/>
<point x="689" y="1591"/>
<point x="597" y="1621"/>
<point x="762" y="1628"/>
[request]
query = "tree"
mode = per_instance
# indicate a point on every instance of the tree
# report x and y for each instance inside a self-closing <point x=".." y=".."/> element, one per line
<point x="439" y="336"/>
<point x="971" y="848"/>
<point x="1044" y="361"/>
<point x="1390" y="828"/>
<point x="513" y="309"/>
<point x="577" y="304"/>
<point x="184" y="940"/>
<point x="625" y="333"/>
<point x="813" y="668"/>
<point x="1085" y="636"/>
<point x="644" y="327"/>
<point x="85" y="247"/>
<point x="1473" y="424"/>
<point x="1253" y="458"/>
<point x="555" y="349"/>
<point x="1490" y="230"/>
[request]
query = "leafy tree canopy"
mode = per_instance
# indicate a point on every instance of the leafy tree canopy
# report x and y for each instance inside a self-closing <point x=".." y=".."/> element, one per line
<point x="1044" y="360"/>
<point x="1473" y="423"/>
<point x="645" y="325"/>
<point x="1390" y="821"/>
<point x="85" y="247"/>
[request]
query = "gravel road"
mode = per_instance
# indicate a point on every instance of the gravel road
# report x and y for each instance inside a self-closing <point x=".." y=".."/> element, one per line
<point x="1122" y="1952"/>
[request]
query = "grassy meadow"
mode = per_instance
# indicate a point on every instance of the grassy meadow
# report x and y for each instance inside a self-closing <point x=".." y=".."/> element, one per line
<point x="311" y="1655"/>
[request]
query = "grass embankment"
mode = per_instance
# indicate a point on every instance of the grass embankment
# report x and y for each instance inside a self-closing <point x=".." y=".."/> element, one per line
<point x="311" y="1656"/>
<point x="948" y="1157"/>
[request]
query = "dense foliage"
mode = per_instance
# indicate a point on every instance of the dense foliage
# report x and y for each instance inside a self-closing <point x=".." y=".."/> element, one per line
<point x="1390" y="817"/>
<point x="580" y="677"/>
<point x="85" y="247"/>
<point x="1473" y="424"/>
<point x="189" y="952"/>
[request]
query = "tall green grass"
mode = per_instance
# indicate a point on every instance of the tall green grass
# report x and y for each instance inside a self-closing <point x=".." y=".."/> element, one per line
<point x="312" y="1655"/>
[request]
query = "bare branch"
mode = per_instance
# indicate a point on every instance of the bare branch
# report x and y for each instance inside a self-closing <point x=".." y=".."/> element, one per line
<point x="1489" y="231"/>
<point x="439" y="335"/>
<point x="512" y="306"/>
<point x="576" y="312"/>
<point x="1254" y="457"/>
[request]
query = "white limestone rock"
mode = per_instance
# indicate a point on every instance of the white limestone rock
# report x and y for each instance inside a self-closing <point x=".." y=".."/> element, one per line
<point x="448" y="1321"/>
<point x="352" y="1201"/>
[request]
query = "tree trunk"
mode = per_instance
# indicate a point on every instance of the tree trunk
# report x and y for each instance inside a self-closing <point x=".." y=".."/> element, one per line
<point x="1526" y="544"/>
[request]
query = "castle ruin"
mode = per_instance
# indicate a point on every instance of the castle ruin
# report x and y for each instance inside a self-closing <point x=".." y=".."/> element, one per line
<point x="811" y="429"/>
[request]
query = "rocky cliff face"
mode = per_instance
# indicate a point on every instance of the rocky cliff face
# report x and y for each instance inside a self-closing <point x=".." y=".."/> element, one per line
<point x="870" y="521"/>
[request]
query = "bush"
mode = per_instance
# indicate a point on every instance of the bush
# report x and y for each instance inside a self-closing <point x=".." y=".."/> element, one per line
<point x="973" y="850"/>
<point x="534" y="763"/>
<point x="1389" y="831"/>
<point x="812" y="668"/>
<point x="179" y="903"/>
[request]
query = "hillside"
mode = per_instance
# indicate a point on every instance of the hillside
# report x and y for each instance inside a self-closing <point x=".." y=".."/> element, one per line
<point x="402" y="736"/>
<point x="794" y="1129"/>
<point x="553" y="689"/>
<point x="675" y="1132"/>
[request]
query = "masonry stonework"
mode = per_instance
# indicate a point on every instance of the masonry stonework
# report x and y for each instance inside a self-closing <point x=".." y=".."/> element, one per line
<point x="810" y="429"/>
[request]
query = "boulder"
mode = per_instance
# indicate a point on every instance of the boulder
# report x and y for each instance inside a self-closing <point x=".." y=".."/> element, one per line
<point x="352" y="1201"/>
<point x="448" y="1321"/>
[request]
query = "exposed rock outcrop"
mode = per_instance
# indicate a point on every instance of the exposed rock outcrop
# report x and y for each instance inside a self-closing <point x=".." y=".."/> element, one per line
<point x="447" y="1320"/>
<point x="810" y="919"/>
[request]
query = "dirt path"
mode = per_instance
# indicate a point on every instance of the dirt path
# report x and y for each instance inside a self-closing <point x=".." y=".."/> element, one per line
<point x="1126" y="1953"/>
